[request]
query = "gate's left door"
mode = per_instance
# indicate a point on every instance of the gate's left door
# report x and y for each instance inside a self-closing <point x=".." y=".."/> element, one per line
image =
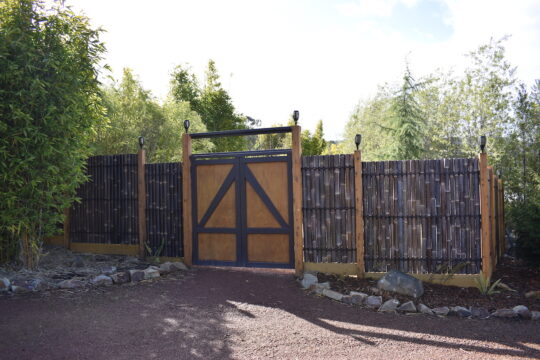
<point x="217" y="228"/>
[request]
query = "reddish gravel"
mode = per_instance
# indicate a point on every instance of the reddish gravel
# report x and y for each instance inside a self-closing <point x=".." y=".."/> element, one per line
<point x="239" y="314"/>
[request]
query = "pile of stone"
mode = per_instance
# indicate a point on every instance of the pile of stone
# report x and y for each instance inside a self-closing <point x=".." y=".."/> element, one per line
<point x="401" y="283"/>
<point x="61" y="269"/>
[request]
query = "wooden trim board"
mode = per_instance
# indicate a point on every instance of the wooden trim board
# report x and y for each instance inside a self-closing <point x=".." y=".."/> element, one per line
<point x="109" y="249"/>
<point x="461" y="280"/>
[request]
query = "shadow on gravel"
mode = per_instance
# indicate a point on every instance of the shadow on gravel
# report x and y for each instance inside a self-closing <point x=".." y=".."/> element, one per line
<point x="207" y="315"/>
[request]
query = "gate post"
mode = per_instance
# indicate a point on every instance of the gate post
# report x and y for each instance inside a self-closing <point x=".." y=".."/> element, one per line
<point x="141" y="197"/>
<point x="297" y="200"/>
<point x="359" y="210"/>
<point x="186" y="198"/>
<point x="485" y="215"/>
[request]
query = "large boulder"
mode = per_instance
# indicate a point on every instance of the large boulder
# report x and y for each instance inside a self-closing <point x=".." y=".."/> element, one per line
<point x="401" y="283"/>
<point x="178" y="265"/>
<point x="535" y="315"/>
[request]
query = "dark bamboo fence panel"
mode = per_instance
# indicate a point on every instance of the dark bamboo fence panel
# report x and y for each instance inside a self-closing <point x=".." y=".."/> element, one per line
<point x="328" y="208"/>
<point x="107" y="212"/>
<point x="422" y="216"/>
<point x="164" y="209"/>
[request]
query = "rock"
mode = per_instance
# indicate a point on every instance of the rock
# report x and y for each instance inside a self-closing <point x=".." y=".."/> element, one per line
<point x="71" y="284"/>
<point x="522" y="311"/>
<point x="533" y="294"/>
<point x="425" y="309"/>
<point x="407" y="307"/>
<point x="77" y="261"/>
<point x="460" y="311"/>
<point x="374" y="290"/>
<point x="120" y="278"/>
<point x="346" y="299"/>
<point x="108" y="270"/>
<point x="41" y="285"/>
<point x="151" y="272"/>
<point x="101" y="258"/>
<point x="334" y="295"/>
<point x="535" y="315"/>
<point x="441" y="311"/>
<point x="358" y="298"/>
<point x="320" y="287"/>
<point x="136" y="275"/>
<point x="401" y="283"/>
<point x="178" y="265"/>
<point x="19" y="289"/>
<point x="389" y="306"/>
<point x="4" y="284"/>
<point x="505" y="313"/>
<point x="308" y="280"/>
<point x="165" y="268"/>
<point x="479" y="312"/>
<point x="101" y="280"/>
<point x="373" y="301"/>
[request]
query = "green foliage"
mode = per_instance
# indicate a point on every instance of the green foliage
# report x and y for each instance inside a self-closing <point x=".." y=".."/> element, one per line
<point x="484" y="285"/>
<point x="212" y="103"/>
<point x="49" y="109"/>
<point x="133" y="112"/>
<point x="407" y="123"/>
<point x="313" y="144"/>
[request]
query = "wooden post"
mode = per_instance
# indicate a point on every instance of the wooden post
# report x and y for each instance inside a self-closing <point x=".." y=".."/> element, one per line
<point x="297" y="200"/>
<point x="503" y="227"/>
<point x="492" y="204"/>
<point x="141" y="200"/>
<point x="67" y="243"/>
<point x="485" y="211"/>
<point x="359" y="213"/>
<point x="500" y="219"/>
<point x="186" y="199"/>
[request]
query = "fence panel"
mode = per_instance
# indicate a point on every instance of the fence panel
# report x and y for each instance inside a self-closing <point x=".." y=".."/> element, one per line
<point x="422" y="216"/>
<point x="164" y="209"/>
<point x="328" y="208"/>
<point x="107" y="212"/>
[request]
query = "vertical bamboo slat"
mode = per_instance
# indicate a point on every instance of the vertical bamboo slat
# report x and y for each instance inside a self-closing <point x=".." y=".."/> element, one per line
<point x="141" y="201"/>
<point x="359" y="212"/>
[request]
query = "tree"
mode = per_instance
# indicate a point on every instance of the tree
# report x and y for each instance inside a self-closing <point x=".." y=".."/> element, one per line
<point x="407" y="122"/>
<point x="133" y="112"/>
<point x="212" y="103"/>
<point x="313" y="144"/>
<point x="50" y="105"/>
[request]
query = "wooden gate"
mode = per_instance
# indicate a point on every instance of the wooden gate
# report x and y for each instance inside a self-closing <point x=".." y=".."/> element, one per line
<point x="242" y="209"/>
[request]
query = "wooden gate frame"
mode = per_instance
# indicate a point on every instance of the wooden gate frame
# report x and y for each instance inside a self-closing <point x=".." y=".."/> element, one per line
<point x="296" y="186"/>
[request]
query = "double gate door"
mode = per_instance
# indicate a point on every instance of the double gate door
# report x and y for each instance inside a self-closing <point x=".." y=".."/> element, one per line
<point x="242" y="209"/>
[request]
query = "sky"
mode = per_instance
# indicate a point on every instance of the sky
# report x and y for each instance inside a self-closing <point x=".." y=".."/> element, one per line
<point x="318" y="57"/>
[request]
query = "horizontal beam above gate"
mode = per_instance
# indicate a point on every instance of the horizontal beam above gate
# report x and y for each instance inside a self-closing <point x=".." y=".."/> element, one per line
<point x="241" y="132"/>
<point x="233" y="154"/>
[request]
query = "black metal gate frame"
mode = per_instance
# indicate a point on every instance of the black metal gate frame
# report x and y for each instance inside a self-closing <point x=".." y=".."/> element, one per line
<point x="241" y="174"/>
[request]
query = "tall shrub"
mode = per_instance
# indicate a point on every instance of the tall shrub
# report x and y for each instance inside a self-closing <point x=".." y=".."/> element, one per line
<point x="49" y="106"/>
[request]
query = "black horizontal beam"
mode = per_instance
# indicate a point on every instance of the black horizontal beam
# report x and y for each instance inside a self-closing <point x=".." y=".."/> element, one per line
<point x="241" y="132"/>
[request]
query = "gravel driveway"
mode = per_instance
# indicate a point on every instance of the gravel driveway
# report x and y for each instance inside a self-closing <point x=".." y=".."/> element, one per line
<point x="239" y="314"/>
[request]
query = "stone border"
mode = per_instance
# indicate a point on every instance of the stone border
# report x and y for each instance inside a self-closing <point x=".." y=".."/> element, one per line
<point x="375" y="302"/>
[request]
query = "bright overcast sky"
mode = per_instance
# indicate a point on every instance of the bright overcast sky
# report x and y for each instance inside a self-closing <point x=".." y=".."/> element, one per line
<point x="320" y="57"/>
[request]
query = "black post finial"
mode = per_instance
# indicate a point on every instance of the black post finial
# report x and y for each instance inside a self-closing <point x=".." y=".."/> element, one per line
<point x="296" y="116"/>
<point x="357" y="141"/>
<point x="483" y="141"/>
<point x="141" y="141"/>
<point x="186" y="125"/>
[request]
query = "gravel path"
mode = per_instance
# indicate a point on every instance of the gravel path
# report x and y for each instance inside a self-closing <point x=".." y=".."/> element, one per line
<point x="239" y="314"/>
